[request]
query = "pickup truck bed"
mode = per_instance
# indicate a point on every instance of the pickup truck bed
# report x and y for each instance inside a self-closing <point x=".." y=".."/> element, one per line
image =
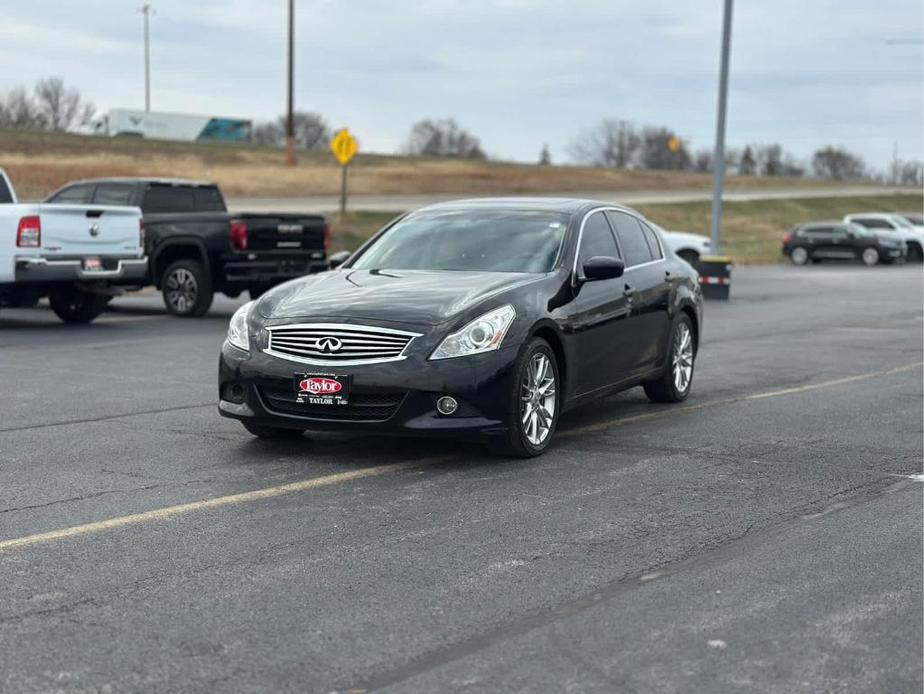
<point x="195" y="247"/>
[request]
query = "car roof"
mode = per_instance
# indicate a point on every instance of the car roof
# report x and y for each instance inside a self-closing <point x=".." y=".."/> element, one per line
<point x="548" y="204"/>
<point x="141" y="179"/>
<point x="826" y="223"/>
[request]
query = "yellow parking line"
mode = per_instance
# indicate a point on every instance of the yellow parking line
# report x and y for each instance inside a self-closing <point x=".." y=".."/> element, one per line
<point x="217" y="502"/>
<point x="671" y="411"/>
<point x="378" y="470"/>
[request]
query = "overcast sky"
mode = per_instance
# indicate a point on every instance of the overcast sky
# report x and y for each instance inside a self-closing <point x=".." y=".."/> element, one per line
<point x="516" y="73"/>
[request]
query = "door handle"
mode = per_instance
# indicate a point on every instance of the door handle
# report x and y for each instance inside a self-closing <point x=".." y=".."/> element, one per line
<point x="629" y="292"/>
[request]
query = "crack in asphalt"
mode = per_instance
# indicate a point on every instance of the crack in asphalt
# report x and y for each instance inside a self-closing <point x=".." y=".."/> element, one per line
<point x="85" y="497"/>
<point x="103" y="418"/>
<point x="715" y="553"/>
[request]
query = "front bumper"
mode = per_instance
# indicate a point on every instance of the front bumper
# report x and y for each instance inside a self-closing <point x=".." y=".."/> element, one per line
<point x="397" y="397"/>
<point x="113" y="270"/>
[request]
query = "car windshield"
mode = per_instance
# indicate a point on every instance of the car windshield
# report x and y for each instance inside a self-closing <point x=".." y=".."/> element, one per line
<point x="472" y="240"/>
<point x="901" y="221"/>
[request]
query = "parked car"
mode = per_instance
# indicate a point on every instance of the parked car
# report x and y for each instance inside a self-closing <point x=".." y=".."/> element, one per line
<point x="690" y="247"/>
<point x="482" y="319"/>
<point x="76" y="255"/>
<point x="195" y="247"/>
<point x="819" y="241"/>
<point x="915" y="218"/>
<point x="895" y="226"/>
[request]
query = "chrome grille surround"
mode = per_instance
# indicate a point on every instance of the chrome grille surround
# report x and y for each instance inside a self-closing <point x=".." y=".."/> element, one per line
<point x="358" y="344"/>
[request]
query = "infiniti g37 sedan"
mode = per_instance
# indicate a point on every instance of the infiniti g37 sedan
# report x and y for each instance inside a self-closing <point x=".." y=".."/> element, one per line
<point x="480" y="319"/>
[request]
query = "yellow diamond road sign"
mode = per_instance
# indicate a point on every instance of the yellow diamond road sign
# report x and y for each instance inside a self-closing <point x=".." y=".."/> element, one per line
<point x="343" y="146"/>
<point x="673" y="144"/>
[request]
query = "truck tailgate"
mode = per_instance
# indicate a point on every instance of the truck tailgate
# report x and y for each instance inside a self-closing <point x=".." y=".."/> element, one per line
<point x="90" y="230"/>
<point x="284" y="232"/>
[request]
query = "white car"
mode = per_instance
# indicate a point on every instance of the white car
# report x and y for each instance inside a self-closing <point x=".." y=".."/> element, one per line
<point x="73" y="254"/>
<point x="894" y="225"/>
<point x="690" y="247"/>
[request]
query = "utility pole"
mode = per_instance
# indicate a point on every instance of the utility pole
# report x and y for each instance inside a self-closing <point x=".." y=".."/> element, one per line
<point x="718" y="160"/>
<point x="147" y="11"/>
<point x="290" y="119"/>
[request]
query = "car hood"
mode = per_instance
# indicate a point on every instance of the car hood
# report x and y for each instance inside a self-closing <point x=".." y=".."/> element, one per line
<point x="403" y="296"/>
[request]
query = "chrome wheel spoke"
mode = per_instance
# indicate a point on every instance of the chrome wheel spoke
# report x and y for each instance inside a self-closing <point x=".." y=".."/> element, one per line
<point x="538" y="399"/>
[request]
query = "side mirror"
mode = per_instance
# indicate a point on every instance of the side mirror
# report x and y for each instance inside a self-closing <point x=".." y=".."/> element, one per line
<point x="338" y="259"/>
<point x="603" y="267"/>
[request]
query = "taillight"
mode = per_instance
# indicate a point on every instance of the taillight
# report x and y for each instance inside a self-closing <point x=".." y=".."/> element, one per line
<point x="29" y="233"/>
<point x="787" y="238"/>
<point x="141" y="234"/>
<point x="238" y="231"/>
<point x="326" y="236"/>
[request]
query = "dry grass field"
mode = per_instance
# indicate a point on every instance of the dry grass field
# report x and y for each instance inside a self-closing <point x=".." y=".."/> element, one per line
<point x="752" y="232"/>
<point x="40" y="162"/>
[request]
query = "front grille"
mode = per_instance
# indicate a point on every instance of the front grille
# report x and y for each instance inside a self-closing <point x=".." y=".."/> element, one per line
<point x="335" y="343"/>
<point x="367" y="407"/>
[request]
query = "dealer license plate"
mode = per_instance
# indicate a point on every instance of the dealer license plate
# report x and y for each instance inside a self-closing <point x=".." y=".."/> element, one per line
<point x="322" y="389"/>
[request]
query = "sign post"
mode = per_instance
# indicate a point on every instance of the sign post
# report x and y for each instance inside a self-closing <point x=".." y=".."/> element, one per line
<point x="344" y="147"/>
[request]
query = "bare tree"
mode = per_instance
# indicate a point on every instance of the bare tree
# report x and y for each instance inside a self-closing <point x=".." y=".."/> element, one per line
<point x="837" y="163"/>
<point x="311" y="130"/>
<point x="61" y="106"/>
<point x="443" y="138"/>
<point x="747" y="165"/>
<point x="911" y="173"/>
<point x="18" y="110"/>
<point x="268" y="134"/>
<point x="769" y="159"/>
<point x="703" y="160"/>
<point x="612" y="143"/>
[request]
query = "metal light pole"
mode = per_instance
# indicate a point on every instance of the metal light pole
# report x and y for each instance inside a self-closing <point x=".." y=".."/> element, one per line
<point x="147" y="11"/>
<point x="290" y="120"/>
<point x="718" y="159"/>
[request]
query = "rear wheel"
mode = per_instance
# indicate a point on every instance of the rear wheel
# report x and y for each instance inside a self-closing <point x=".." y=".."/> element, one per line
<point x="533" y="406"/>
<point x="187" y="288"/>
<point x="870" y="256"/>
<point x="268" y="432"/>
<point x="77" y="306"/>
<point x="799" y="255"/>
<point x="674" y="384"/>
<point x="915" y="255"/>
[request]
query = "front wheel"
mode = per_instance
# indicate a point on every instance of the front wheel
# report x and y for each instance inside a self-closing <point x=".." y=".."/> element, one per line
<point x="267" y="432"/>
<point x="870" y="257"/>
<point x="533" y="407"/>
<point x="77" y="306"/>
<point x="674" y="384"/>
<point x="187" y="288"/>
<point x="799" y="256"/>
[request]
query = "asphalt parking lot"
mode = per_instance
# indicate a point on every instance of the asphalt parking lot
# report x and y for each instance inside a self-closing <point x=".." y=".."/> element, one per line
<point x="766" y="535"/>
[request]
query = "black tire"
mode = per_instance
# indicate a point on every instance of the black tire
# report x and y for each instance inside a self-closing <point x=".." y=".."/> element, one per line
<point x="915" y="254"/>
<point x="516" y="443"/>
<point x="666" y="388"/>
<point x="692" y="257"/>
<point x="187" y="288"/>
<point x="76" y="306"/>
<point x="870" y="256"/>
<point x="799" y="255"/>
<point x="268" y="432"/>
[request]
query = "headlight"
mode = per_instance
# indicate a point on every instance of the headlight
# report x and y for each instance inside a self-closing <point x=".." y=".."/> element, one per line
<point x="237" y="329"/>
<point x="484" y="334"/>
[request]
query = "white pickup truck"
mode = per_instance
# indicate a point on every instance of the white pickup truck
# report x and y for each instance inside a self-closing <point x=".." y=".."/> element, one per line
<point x="76" y="255"/>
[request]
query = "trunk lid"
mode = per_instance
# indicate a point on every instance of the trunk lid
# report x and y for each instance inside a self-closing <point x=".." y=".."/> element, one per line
<point x="284" y="232"/>
<point x="89" y="230"/>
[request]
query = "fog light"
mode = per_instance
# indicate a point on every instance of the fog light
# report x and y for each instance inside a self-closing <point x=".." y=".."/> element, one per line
<point x="447" y="405"/>
<point x="234" y="393"/>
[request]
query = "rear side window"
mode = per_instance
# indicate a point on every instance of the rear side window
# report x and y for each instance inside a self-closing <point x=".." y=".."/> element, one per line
<point x="873" y="223"/>
<point x="113" y="194"/>
<point x="631" y="238"/>
<point x="158" y="198"/>
<point x="208" y="199"/>
<point x="816" y="231"/>
<point x="74" y="195"/>
<point x="652" y="240"/>
<point x="6" y="195"/>
<point x="597" y="239"/>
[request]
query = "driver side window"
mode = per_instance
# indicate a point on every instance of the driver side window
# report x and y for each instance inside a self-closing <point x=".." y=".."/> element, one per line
<point x="597" y="239"/>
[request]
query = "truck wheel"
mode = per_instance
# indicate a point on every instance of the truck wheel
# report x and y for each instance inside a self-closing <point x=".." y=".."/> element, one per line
<point x="76" y="305"/>
<point x="187" y="288"/>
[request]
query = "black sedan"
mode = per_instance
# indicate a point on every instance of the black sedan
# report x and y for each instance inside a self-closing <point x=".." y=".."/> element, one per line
<point x="480" y="319"/>
<point x="819" y="241"/>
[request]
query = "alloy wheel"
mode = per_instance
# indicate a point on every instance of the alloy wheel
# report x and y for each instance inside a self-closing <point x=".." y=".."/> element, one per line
<point x="537" y="399"/>
<point x="799" y="256"/>
<point x="870" y="256"/>
<point x="682" y="358"/>
<point x="182" y="290"/>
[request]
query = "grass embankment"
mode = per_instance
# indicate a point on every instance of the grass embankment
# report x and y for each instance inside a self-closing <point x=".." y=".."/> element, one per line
<point x="752" y="232"/>
<point x="40" y="162"/>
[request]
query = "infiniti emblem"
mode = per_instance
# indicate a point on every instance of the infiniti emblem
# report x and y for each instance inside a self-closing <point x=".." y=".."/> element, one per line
<point x="94" y="229"/>
<point x="328" y="345"/>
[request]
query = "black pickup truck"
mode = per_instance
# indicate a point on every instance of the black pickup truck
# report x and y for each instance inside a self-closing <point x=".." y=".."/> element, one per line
<point x="195" y="247"/>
